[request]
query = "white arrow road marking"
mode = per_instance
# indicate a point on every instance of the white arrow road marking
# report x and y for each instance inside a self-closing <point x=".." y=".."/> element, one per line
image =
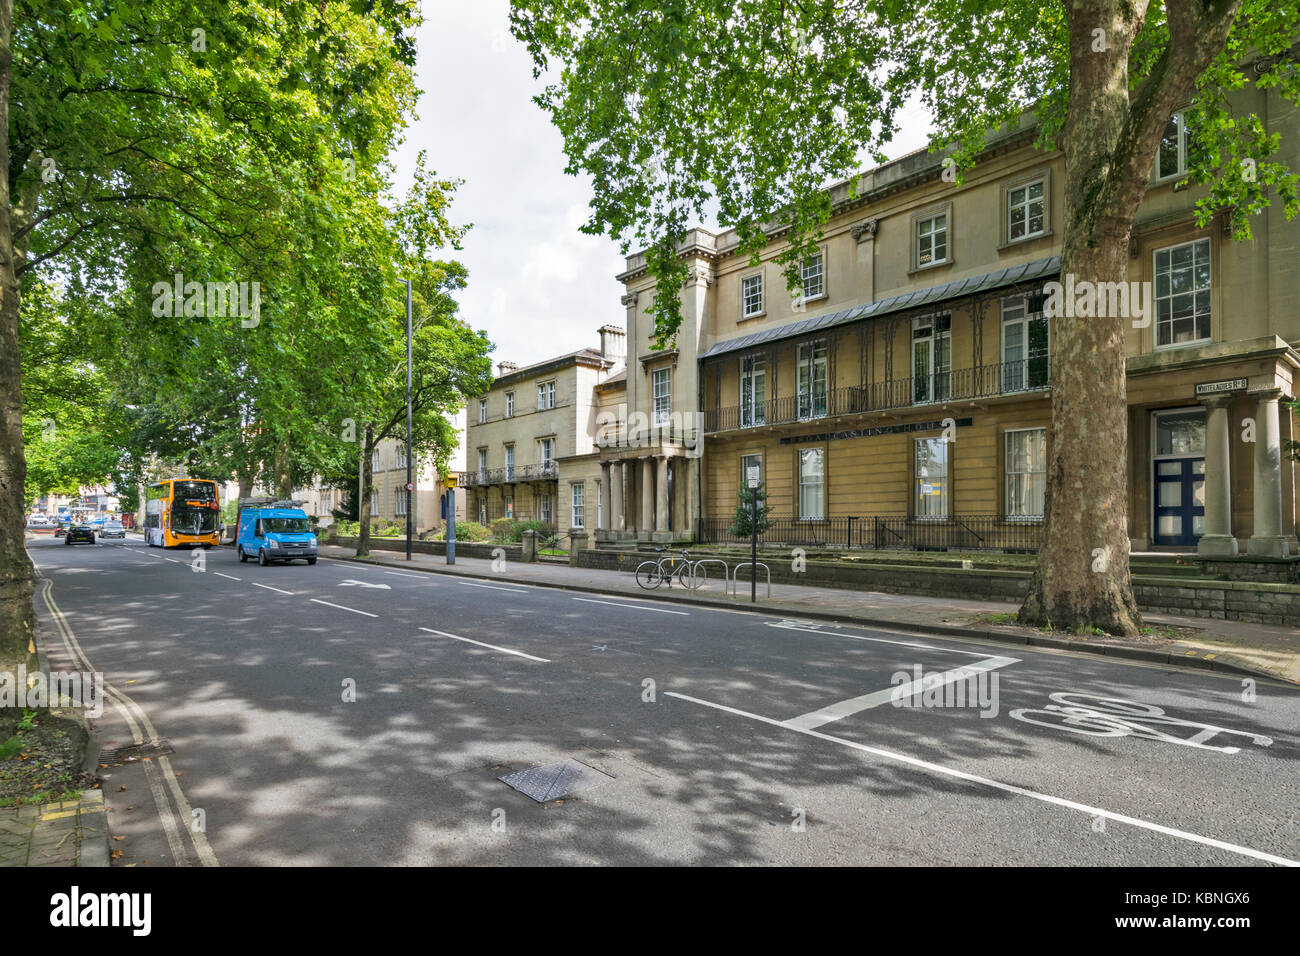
<point x="349" y="583"/>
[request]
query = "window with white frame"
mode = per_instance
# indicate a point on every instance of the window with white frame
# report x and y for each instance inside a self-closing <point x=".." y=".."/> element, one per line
<point x="545" y="396"/>
<point x="510" y="462"/>
<point x="600" y="505"/>
<point x="400" y="497"/>
<point x="578" y="492"/>
<point x="400" y="454"/>
<point x="931" y="358"/>
<point x="374" y="501"/>
<point x="510" y="404"/>
<point x="374" y="460"/>
<point x="661" y="382"/>
<point x="482" y="513"/>
<point x="544" y="508"/>
<point x="753" y="390"/>
<point x="932" y="240"/>
<point x="1171" y="158"/>
<point x="546" y="452"/>
<point x="931" y="477"/>
<point x="482" y="465"/>
<point x="1182" y="293"/>
<point x="1026" y="361"/>
<point x="811" y="379"/>
<point x="812" y="484"/>
<point x="482" y="411"/>
<point x="751" y="296"/>
<point x="1026" y="472"/>
<point x="812" y="275"/>
<point x="1026" y="211"/>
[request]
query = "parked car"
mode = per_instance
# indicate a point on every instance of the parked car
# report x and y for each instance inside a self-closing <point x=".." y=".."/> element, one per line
<point x="112" y="529"/>
<point x="60" y="528"/>
<point x="37" y="521"/>
<point x="275" y="534"/>
<point x="79" y="532"/>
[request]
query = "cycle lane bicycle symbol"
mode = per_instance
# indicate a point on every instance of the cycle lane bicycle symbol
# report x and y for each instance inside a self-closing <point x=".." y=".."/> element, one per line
<point x="1096" y="716"/>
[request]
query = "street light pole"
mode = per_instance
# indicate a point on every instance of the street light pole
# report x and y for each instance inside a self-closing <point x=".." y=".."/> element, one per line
<point x="410" y="482"/>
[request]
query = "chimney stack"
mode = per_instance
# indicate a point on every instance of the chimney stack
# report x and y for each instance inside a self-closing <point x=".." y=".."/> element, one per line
<point x="613" y="344"/>
<point x="505" y="368"/>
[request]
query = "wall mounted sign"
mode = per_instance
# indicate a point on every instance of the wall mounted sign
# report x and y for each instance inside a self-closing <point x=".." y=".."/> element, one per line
<point x="1227" y="385"/>
<point x="878" y="430"/>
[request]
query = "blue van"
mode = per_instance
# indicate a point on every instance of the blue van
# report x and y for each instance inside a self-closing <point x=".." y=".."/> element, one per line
<point x="275" y="534"/>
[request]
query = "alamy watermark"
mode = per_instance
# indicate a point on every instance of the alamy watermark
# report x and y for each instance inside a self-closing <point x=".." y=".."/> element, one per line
<point x="1084" y="299"/>
<point x="962" y="688"/>
<point x="56" y="689"/>
<point x="639" y="430"/>
<point x="179" y="298"/>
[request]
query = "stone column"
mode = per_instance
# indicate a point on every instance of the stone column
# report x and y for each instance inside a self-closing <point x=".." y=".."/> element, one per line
<point x="647" y="494"/>
<point x="1267" y="540"/>
<point x="618" y="521"/>
<point x="689" y="465"/>
<point x="605" y="503"/>
<point x="661" y="496"/>
<point x="1218" y="540"/>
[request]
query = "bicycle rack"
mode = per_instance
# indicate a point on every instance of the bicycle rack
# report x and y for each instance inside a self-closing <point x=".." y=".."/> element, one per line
<point x="735" y="576"/>
<point x="699" y="566"/>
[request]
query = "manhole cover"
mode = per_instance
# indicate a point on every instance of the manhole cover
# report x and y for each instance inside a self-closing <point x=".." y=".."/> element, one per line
<point x="150" y="748"/>
<point x="554" y="780"/>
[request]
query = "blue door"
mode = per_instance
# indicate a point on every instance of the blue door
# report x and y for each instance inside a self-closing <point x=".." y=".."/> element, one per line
<point x="1179" y="501"/>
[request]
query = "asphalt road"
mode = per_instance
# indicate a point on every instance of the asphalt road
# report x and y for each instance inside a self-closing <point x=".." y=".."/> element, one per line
<point x="721" y="737"/>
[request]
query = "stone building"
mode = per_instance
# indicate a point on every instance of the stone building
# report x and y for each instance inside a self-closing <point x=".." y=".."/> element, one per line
<point x="904" y="392"/>
<point x="531" y="440"/>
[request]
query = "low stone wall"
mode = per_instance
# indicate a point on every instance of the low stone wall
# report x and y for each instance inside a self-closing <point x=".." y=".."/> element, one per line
<point x="1248" y="601"/>
<point x="1270" y="570"/>
<point x="463" y="549"/>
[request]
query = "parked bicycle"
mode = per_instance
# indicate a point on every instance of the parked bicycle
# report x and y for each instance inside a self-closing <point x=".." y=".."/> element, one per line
<point x="651" y="574"/>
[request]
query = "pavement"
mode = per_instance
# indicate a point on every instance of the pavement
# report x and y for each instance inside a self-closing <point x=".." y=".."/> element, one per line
<point x="354" y="713"/>
<point x="1237" y="647"/>
<point x="71" y="833"/>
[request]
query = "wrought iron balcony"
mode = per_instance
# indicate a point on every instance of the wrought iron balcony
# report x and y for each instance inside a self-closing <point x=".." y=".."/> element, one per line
<point x="543" y="471"/>
<point x="983" y="381"/>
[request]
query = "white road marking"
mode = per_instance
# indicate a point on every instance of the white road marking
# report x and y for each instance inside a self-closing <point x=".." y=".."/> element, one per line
<point x="269" y="588"/>
<point x="471" y="584"/>
<point x="403" y="574"/>
<point x="847" y="708"/>
<point x="231" y="576"/>
<point x="174" y="561"/>
<point x="635" y="607"/>
<point x="785" y="626"/>
<point x="999" y="785"/>
<point x="504" y="650"/>
<point x="350" y="583"/>
<point x="342" y="608"/>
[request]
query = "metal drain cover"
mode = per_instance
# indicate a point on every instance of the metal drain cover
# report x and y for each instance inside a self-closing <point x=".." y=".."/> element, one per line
<point x="555" y="780"/>
<point x="150" y="748"/>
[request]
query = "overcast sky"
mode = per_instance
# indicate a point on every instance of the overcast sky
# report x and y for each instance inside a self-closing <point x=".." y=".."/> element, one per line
<point x="537" y="286"/>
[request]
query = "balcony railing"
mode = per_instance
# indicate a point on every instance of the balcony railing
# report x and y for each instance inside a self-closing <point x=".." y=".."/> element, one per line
<point x="983" y="381"/>
<point x="501" y="476"/>
<point x="889" y="532"/>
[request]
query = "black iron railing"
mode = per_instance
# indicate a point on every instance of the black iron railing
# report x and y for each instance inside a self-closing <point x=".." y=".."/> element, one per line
<point x="499" y="476"/>
<point x="882" y="532"/>
<point x="983" y="381"/>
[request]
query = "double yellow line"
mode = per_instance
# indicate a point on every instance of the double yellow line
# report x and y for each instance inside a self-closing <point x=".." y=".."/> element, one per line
<point x="158" y="772"/>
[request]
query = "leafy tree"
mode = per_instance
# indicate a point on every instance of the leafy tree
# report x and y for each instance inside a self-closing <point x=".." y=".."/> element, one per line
<point x="743" y="522"/>
<point x="751" y="108"/>
<point x="137" y="137"/>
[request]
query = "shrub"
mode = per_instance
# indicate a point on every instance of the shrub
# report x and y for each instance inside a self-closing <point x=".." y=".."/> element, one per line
<point x="467" y="531"/>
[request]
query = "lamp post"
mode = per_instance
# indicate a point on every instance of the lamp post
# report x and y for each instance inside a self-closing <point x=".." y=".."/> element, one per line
<point x="410" y="481"/>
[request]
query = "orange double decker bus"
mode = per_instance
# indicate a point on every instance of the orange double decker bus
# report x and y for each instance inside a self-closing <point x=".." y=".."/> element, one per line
<point x="182" y="513"/>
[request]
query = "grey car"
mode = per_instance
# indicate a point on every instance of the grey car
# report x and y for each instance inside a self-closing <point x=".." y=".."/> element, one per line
<point x="112" y="529"/>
